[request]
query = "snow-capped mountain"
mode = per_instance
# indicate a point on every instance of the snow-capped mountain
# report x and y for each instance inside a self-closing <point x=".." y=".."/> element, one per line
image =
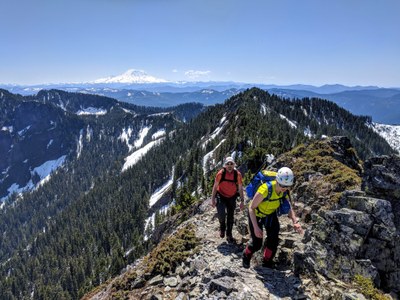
<point x="131" y="76"/>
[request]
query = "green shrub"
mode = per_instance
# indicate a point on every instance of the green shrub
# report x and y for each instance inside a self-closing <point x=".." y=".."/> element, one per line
<point x="367" y="288"/>
<point x="123" y="283"/>
<point x="172" y="252"/>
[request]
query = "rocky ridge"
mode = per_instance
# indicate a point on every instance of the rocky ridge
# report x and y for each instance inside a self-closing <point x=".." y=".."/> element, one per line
<point x="215" y="271"/>
<point x="349" y="234"/>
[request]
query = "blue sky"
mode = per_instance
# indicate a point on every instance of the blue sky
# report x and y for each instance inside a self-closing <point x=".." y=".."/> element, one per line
<point x="256" y="41"/>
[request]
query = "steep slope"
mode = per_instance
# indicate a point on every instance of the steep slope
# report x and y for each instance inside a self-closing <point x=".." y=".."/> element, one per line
<point x="101" y="142"/>
<point x="32" y="136"/>
<point x="89" y="202"/>
<point x="40" y="133"/>
<point x="391" y="133"/>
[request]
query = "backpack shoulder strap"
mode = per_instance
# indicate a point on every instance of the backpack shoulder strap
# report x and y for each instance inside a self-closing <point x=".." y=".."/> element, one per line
<point x="223" y="175"/>
<point x="235" y="176"/>
<point x="269" y="185"/>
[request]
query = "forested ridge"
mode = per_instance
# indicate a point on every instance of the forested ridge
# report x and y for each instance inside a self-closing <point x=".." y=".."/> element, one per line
<point x="87" y="222"/>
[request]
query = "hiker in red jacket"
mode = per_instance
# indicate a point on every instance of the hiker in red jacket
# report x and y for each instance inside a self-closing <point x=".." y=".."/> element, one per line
<point x="227" y="186"/>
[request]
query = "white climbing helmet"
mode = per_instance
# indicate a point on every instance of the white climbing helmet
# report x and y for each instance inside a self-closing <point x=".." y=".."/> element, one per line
<point x="285" y="176"/>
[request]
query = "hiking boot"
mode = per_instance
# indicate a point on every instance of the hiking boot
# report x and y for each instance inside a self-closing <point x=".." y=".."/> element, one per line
<point x="230" y="239"/>
<point x="246" y="261"/>
<point x="268" y="264"/>
<point x="222" y="234"/>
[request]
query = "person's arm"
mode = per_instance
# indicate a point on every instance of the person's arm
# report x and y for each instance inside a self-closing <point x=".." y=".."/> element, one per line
<point x="240" y="187"/>
<point x="257" y="199"/>
<point x="296" y="224"/>
<point x="214" y="191"/>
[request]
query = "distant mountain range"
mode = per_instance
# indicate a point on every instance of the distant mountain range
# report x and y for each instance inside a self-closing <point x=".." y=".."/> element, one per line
<point x="139" y="88"/>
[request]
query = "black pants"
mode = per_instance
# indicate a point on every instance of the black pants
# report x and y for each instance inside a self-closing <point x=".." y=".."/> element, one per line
<point x="271" y="224"/>
<point x="226" y="210"/>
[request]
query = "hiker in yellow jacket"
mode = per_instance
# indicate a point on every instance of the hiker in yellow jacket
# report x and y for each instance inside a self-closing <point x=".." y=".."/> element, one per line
<point x="264" y="214"/>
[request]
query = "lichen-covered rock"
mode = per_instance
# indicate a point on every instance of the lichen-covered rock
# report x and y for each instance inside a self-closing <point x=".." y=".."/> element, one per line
<point x="360" y="240"/>
<point x="382" y="180"/>
<point x="382" y="176"/>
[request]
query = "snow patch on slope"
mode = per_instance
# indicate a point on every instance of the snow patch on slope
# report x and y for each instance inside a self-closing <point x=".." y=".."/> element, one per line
<point x="391" y="133"/>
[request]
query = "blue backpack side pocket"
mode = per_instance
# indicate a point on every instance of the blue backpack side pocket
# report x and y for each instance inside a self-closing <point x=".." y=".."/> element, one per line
<point x="284" y="207"/>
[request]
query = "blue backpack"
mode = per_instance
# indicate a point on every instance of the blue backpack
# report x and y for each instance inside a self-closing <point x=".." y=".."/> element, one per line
<point x="266" y="177"/>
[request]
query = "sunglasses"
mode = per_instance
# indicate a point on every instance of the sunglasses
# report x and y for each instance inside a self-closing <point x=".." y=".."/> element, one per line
<point x="284" y="186"/>
<point x="229" y="164"/>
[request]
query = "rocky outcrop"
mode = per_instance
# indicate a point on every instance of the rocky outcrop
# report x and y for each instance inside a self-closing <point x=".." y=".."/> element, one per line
<point x="382" y="180"/>
<point x="357" y="238"/>
<point x="345" y="153"/>
<point x="324" y="170"/>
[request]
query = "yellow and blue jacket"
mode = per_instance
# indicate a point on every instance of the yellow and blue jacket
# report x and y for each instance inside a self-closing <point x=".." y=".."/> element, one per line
<point x="271" y="200"/>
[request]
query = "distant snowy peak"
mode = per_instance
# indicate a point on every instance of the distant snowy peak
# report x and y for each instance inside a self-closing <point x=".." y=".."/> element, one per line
<point x="131" y="76"/>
